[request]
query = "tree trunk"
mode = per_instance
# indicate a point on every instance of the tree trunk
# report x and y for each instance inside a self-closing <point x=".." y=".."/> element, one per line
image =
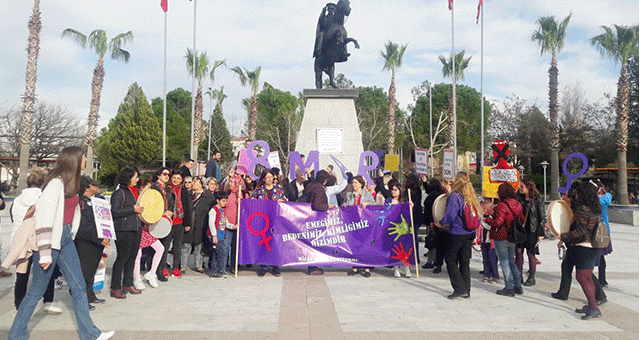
<point x="94" y="113"/>
<point x="391" y="119"/>
<point x="555" y="137"/>
<point x="33" y="48"/>
<point x="253" y="120"/>
<point x="622" y="129"/>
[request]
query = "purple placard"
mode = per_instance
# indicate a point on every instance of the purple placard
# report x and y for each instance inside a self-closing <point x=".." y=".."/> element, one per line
<point x="290" y="234"/>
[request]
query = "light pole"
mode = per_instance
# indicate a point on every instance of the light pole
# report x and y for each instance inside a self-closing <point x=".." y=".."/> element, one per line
<point x="544" y="169"/>
<point x="430" y="129"/>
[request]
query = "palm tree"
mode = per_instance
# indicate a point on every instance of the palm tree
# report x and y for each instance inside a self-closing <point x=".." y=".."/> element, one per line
<point x="212" y="95"/>
<point x="252" y="79"/>
<point x="550" y="36"/>
<point x="100" y="44"/>
<point x="619" y="43"/>
<point x="201" y="71"/>
<point x="447" y="71"/>
<point x="33" y="49"/>
<point x="392" y="55"/>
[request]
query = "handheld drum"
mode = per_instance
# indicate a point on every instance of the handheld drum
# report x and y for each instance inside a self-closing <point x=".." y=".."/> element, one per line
<point x="559" y="216"/>
<point x="162" y="228"/>
<point x="153" y="204"/>
<point x="439" y="207"/>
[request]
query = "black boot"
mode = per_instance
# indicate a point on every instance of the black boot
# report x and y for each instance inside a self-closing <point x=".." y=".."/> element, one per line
<point x="531" y="279"/>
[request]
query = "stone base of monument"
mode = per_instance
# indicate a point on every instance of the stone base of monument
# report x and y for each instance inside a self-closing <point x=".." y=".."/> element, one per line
<point x="330" y="126"/>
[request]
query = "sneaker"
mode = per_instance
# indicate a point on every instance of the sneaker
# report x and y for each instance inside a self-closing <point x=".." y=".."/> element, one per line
<point x="518" y="290"/>
<point x="495" y="280"/>
<point x="91" y="307"/>
<point x="176" y="273"/>
<point x="396" y="271"/>
<point x="437" y="269"/>
<point x="165" y="272"/>
<point x="106" y="335"/>
<point x="152" y="279"/>
<point x="407" y="272"/>
<point x="216" y="275"/>
<point x="51" y="309"/>
<point x="139" y="285"/>
<point x="486" y="280"/>
<point x="60" y="282"/>
<point x="506" y="292"/>
<point x="276" y="272"/>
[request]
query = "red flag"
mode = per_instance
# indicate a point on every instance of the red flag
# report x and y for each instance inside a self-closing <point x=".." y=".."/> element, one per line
<point x="163" y="4"/>
<point x="450" y="4"/>
<point x="478" y="16"/>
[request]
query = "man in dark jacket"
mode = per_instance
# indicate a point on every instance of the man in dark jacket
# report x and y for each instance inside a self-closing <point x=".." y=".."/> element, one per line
<point x="213" y="166"/>
<point x="295" y="189"/>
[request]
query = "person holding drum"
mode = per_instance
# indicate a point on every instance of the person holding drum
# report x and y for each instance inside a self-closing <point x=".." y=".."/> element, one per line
<point x="501" y="223"/>
<point x="160" y="180"/>
<point x="580" y="252"/>
<point x="147" y="240"/>
<point x="203" y="201"/>
<point x="125" y="210"/>
<point x="458" y="250"/>
<point x="533" y="205"/>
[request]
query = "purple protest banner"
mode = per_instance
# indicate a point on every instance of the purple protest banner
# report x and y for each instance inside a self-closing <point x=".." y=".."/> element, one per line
<point x="290" y="234"/>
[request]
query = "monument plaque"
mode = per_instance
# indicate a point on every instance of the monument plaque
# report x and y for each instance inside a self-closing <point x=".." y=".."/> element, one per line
<point x="329" y="140"/>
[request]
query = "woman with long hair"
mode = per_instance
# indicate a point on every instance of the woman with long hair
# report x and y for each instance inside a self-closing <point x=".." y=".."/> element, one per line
<point x="125" y="210"/>
<point x="501" y="223"/>
<point x="396" y="198"/>
<point x="580" y="252"/>
<point x="534" y="211"/>
<point x="458" y="249"/>
<point x="181" y="223"/>
<point x="57" y="218"/>
<point x="160" y="183"/>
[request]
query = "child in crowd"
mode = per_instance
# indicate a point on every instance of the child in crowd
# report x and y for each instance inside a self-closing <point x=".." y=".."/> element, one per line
<point x="216" y="233"/>
<point x="489" y="257"/>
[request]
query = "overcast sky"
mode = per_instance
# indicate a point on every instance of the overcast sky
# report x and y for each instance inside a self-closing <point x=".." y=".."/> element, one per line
<point x="279" y="36"/>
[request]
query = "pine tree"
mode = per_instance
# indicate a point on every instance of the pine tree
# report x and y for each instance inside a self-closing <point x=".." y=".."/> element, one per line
<point x="133" y="138"/>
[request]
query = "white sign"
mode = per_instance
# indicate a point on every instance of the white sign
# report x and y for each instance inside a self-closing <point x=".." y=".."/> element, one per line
<point x="102" y="217"/>
<point x="503" y="175"/>
<point x="274" y="160"/>
<point x="329" y="141"/>
<point x="422" y="165"/>
<point x="448" y="164"/>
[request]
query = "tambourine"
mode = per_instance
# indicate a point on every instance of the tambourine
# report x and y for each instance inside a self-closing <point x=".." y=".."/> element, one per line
<point x="439" y="207"/>
<point x="153" y="203"/>
<point x="162" y="228"/>
<point x="559" y="216"/>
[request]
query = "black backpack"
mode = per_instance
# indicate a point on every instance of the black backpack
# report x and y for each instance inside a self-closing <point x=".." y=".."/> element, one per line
<point x="518" y="233"/>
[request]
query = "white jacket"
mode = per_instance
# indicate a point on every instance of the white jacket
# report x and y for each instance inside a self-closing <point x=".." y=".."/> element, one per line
<point x="50" y="214"/>
<point x="21" y="204"/>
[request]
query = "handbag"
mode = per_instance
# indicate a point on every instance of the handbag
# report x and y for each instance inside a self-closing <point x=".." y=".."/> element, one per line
<point x="600" y="237"/>
<point x="518" y="233"/>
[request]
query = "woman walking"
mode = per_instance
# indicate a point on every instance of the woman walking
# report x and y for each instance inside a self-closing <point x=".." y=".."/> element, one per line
<point x="57" y="218"/>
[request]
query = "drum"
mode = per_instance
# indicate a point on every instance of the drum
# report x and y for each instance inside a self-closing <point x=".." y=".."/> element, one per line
<point x="153" y="204"/>
<point x="559" y="216"/>
<point x="439" y="207"/>
<point x="162" y="228"/>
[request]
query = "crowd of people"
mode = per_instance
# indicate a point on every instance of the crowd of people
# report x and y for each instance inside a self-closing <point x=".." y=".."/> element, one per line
<point x="203" y="213"/>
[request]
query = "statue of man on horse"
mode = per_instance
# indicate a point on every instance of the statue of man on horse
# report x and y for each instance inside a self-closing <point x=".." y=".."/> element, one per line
<point x="331" y="41"/>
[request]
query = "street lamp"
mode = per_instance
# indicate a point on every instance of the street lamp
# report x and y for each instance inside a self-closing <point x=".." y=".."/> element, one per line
<point x="544" y="169"/>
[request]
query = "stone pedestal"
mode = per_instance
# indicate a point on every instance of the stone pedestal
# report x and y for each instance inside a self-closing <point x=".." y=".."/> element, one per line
<point x="331" y="112"/>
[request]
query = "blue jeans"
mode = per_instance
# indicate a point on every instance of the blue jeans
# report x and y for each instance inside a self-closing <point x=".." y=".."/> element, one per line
<point x="506" y="252"/>
<point x="67" y="259"/>
<point x="229" y="244"/>
<point x="489" y="261"/>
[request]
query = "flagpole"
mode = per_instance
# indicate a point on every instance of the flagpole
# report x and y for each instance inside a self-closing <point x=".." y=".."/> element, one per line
<point x="431" y="129"/>
<point x="193" y="85"/>
<point x="482" y="95"/>
<point x="455" y="118"/>
<point x="164" y="97"/>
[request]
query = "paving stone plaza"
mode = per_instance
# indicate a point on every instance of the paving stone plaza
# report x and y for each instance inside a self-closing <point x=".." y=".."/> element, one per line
<point x="337" y="306"/>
